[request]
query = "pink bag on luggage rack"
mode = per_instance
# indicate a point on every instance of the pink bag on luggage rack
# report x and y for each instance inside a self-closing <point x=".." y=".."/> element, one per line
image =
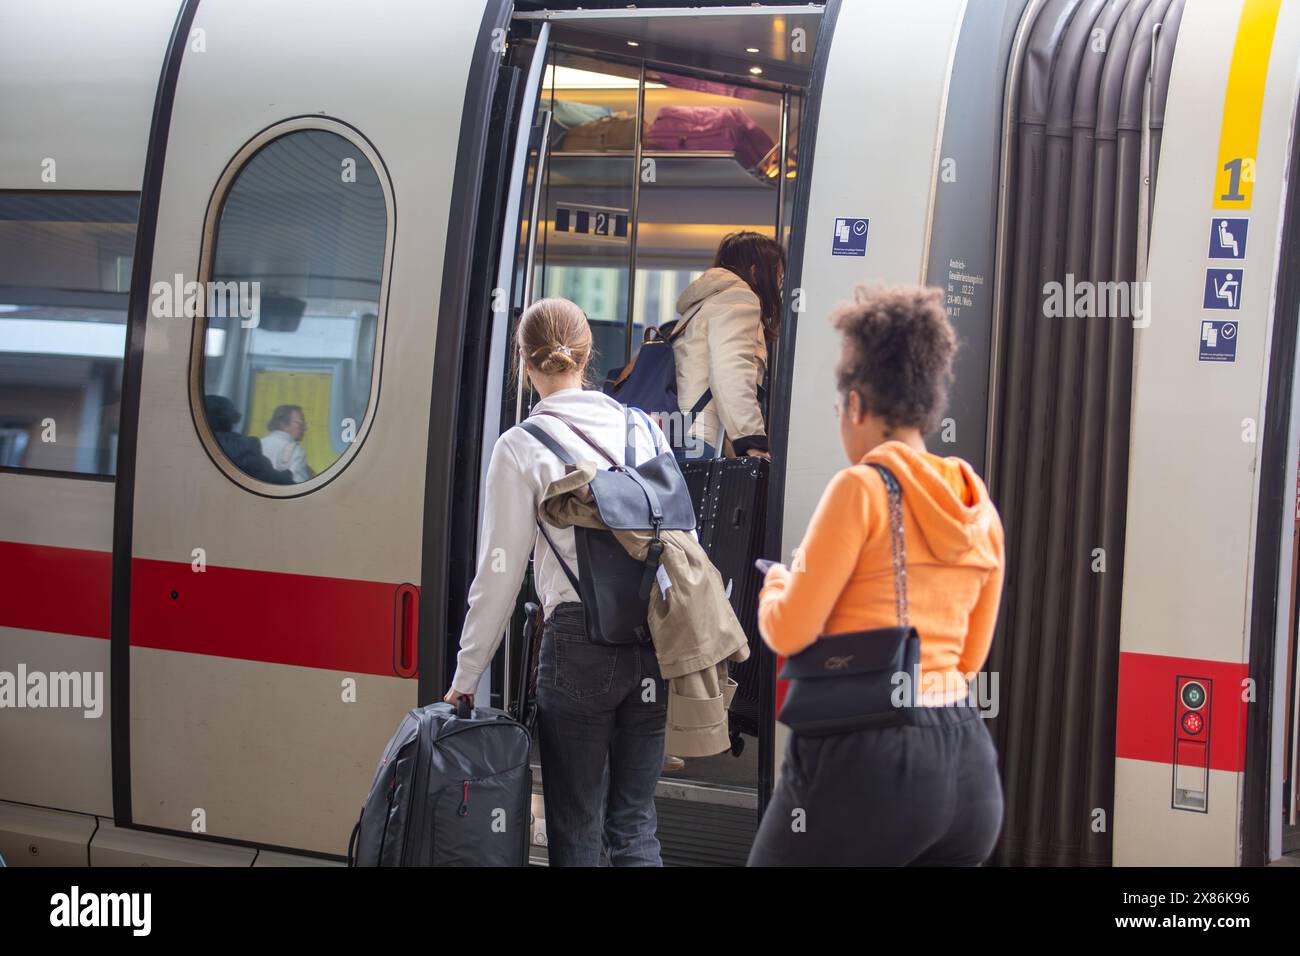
<point x="726" y="128"/>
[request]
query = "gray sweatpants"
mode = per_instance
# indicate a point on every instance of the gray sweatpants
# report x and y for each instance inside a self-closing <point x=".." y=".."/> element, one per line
<point x="923" y="794"/>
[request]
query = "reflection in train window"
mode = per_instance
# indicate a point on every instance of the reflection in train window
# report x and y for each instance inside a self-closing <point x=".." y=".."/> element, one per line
<point x="65" y="275"/>
<point x="297" y="265"/>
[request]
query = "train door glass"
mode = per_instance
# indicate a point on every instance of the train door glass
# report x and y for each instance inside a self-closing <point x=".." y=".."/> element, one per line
<point x="584" y="245"/>
<point x="700" y="181"/>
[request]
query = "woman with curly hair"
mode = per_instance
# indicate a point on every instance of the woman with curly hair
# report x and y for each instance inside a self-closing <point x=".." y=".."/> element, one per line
<point x="924" y="790"/>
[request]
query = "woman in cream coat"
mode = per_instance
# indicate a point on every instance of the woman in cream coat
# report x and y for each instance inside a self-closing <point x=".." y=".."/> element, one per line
<point x="729" y="317"/>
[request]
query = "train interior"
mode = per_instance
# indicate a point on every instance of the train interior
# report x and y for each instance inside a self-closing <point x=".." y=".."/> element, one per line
<point x="619" y="213"/>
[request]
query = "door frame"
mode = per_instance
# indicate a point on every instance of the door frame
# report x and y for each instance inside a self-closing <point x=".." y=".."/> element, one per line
<point x="778" y="430"/>
<point x="451" y="533"/>
<point x="459" y="364"/>
<point x="128" y="428"/>
<point x="1270" y="601"/>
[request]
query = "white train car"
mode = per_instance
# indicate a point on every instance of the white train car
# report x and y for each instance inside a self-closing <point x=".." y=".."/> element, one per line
<point x="1102" y="187"/>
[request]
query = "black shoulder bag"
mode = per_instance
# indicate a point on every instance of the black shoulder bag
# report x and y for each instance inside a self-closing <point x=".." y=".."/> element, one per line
<point x="846" y="682"/>
<point x="613" y="586"/>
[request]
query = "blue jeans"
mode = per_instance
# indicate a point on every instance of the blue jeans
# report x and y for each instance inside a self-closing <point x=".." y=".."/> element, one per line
<point x="601" y="714"/>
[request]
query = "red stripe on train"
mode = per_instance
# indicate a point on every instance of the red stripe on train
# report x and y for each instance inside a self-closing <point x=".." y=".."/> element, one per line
<point x="330" y="623"/>
<point x="59" y="590"/>
<point x="1148" y="708"/>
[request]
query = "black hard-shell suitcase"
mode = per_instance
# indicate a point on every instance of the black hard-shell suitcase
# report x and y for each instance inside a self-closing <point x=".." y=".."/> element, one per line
<point x="730" y="499"/>
<point x="454" y="788"/>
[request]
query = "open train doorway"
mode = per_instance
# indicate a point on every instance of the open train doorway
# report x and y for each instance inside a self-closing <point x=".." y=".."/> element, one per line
<point x="604" y="201"/>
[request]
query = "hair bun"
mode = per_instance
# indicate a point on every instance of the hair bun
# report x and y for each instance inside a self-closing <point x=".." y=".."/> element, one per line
<point x="553" y="359"/>
<point x="554" y="336"/>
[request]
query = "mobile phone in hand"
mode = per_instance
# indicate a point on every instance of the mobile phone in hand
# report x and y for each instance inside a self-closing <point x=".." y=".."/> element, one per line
<point x="763" y="565"/>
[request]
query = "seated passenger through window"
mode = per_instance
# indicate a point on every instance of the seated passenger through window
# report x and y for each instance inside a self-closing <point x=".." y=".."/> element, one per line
<point x="283" y="442"/>
<point x="731" y="315"/>
<point x="244" y="450"/>
<point x="600" y="729"/>
<point x="926" y="792"/>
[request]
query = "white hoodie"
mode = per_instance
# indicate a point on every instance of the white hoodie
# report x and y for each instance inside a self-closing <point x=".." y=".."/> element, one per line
<point x="520" y="471"/>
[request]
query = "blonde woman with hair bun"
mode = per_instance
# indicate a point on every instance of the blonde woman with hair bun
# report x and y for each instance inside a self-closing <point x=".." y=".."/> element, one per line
<point x="602" y="744"/>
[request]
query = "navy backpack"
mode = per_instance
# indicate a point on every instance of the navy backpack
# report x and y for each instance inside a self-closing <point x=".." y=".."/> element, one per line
<point x="649" y="382"/>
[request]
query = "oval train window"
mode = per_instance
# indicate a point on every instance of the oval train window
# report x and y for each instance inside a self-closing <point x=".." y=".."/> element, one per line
<point x="294" y="274"/>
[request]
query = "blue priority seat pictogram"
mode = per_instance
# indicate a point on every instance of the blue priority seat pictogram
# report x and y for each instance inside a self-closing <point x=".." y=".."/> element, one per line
<point x="1228" y="238"/>
<point x="1222" y="289"/>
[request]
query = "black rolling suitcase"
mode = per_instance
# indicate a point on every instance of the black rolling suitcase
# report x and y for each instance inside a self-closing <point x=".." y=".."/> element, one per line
<point x="523" y="706"/>
<point x="730" y="499"/>
<point x="454" y="788"/>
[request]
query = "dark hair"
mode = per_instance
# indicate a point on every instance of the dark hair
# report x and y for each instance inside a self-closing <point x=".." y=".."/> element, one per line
<point x="222" y="414"/>
<point x="757" y="259"/>
<point x="280" y="416"/>
<point x="898" y="347"/>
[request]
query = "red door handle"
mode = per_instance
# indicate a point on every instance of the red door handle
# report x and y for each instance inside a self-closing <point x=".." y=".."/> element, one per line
<point x="406" y="630"/>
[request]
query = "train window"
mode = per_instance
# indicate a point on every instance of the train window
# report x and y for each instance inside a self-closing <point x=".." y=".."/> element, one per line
<point x="65" y="275"/>
<point x="295" y="266"/>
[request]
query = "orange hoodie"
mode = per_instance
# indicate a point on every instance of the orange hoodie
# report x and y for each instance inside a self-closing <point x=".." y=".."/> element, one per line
<point x="844" y="579"/>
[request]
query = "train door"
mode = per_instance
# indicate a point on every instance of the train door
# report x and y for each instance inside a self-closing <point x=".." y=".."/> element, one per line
<point x="604" y="209"/>
<point x="270" y="517"/>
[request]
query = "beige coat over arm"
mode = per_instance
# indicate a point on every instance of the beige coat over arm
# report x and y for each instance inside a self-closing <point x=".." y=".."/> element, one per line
<point x="694" y="630"/>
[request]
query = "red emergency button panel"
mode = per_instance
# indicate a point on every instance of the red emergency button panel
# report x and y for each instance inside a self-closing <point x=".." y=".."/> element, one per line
<point x="1191" y="753"/>
<point x="1192" y="743"/>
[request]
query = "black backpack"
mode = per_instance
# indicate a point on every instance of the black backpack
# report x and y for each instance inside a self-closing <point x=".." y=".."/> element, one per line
<point x="454" y="788"/>
<point x="613" y="586"/>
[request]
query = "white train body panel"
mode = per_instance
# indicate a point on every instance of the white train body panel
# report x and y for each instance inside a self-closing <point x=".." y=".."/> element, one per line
<point x="878" y="166"/>
<point x="1196" y="442"/>
<point x="72" y="120"/>
<point x="79" y="80"/>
